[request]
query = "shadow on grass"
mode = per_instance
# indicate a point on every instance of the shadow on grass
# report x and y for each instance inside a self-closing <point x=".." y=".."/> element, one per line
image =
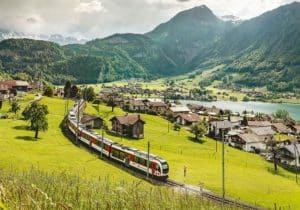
<point x="26" y="138"/>
<point x="193" y="139"/>
<point x="21" y="127"/>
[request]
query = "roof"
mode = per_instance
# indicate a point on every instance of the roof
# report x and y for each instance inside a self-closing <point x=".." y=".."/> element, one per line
<point x="261" y="131"/>
<point x="128" y="119"/>
<point x="13" y="83"/>
<point x="137" y="103"/>
<point x="297" y="127"/>
<point x="157" y="104"/>
<point x="280" y="127"/>
<point x="249" y="137"/>
<point x="3" y="87"/>
<point x="191" y="117"/>
<point x="87" y="118"/>
<point x="259" y="123"/>
<point x="213" y="110"/>
<point x="179" y="109"/>
<point x="221" y="124"/>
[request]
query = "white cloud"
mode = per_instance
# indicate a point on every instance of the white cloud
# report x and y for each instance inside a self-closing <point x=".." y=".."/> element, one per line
<point x="90" y="7"/>
<point x="99" y="18"/>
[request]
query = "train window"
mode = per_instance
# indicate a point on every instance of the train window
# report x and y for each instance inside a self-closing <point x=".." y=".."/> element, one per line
<point x="136" y="159"/>
<point x="157" y="168"/>
<point x="115" y="153"/>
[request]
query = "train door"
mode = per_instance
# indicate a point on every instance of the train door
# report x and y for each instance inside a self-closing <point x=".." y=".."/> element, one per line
<point x="153" y="167"/>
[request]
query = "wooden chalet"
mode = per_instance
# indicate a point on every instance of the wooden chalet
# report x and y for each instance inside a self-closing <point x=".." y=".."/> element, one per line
<point x="91" y="121"/>
<point x="187" y="119"/>
<point x="15" y="85"/>
<point x="128" y="125"/>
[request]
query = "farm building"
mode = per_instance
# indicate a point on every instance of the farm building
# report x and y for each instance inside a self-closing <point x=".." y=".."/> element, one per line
<point x="281" y="128"/>
<point x="247" y="141"/>
<point x="15" y="85"/>
<point x="128" y="125"/>
<point x="263" y="133"/>
<point x="179" y="109"/>
<point x="216" y="128"/>
<point x="187" y="119"/>
<point x="91" y="121"/>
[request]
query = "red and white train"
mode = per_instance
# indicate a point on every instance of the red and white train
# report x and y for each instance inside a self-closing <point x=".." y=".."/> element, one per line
<point x="130" y="157"/>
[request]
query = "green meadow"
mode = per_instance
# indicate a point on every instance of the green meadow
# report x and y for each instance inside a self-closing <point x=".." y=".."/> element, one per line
<point x="53" y="173"/>
<point x="248" y="177"/>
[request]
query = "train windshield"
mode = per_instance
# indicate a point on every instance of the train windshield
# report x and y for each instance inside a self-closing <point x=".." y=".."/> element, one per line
<point x="165" y="167"/>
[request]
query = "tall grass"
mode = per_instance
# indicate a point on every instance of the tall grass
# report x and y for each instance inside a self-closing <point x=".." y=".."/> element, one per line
<point x="35" y="189"/>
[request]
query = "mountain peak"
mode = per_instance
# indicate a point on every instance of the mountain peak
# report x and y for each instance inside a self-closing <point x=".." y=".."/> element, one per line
<point x="198" y="13"/>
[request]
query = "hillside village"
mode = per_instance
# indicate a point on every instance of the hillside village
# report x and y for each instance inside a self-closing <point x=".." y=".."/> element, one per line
<point x="245" y="131"/>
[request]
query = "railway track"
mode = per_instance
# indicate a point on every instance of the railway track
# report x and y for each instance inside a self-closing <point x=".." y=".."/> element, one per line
<point x="170" y="183"/>
<point x="211" y="196"/>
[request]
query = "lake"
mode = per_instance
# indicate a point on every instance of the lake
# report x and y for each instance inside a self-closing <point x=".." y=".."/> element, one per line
<point x="240" y="106"/>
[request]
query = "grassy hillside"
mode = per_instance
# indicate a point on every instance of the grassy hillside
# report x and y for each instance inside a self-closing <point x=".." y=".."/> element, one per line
<point x="248" y="176"/>
<point x="52" y="173"/>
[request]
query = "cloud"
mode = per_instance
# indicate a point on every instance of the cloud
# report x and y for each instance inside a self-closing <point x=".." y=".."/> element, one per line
<point x="99" y="18"/>
<point x="90" y="7"/>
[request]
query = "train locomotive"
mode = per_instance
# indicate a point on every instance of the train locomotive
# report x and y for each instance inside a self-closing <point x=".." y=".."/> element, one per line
<point x="130" y="157"/>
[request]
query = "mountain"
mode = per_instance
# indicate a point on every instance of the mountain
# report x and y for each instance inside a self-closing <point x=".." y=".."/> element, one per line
<point x="262" y="51"/>
<point x="188" y="33"/>
<point x="59" y="39"/>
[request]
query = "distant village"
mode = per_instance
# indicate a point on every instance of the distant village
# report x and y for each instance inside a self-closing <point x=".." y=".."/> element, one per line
<point x="248" y="131"/>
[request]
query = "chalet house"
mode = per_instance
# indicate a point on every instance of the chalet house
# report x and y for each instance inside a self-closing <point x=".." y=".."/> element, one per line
<point x="128" y="125"/>
<point x="216" y="128"/>
<point x="236" y="121"/>
<point x="3" y="89"/>
<point x="281" y="128"/>
<point x="213" y="111"/>
<point x="289" y="154"/>
<point x="179" y="109"/>
<point x="137" y="106"/>
<point x="259" y="124"/>
<point x="296" y="130"/>
<point x="158" y="107"/>
<point x="16" y="85"/>
<point x="91" y="121"/>
<point x="249" y="142"/>
<point x="263" y="133"/>
<point x="187" y="119"/>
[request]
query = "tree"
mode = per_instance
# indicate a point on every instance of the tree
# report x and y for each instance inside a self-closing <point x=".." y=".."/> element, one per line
<point x="244" y="121"/>
<point x="199" y="129"/>
<point x="88" y="94"/>
<point x="67" y="89"/>
<point x="273" y="149"/>
<point x="282" y="114"/>
<point x="15" y="107"/>
<point x="1" y="103"/>
<point x="48" y="91"/>
<point x="36" y="114"/>
<point x="74" y="91"/>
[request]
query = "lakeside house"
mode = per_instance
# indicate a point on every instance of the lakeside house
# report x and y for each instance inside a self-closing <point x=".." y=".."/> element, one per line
<point x="128" y="125"/>
<point x="249" y="142"/>
<point x="281" y="128"/>
<point x="263" y="133"/>
<point x="216" y="128"/>
<point x="289" y="154"/>
<point x="187" y="119"/>
<point x="156" y="106"/>
<point x="91" y="121"/>
<point x="256" y="123"/>
<point x="179" y="109"/>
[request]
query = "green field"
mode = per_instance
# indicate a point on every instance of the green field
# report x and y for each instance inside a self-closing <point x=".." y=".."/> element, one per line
<point x="248" y="176"/>
<point x="52" y="172"/>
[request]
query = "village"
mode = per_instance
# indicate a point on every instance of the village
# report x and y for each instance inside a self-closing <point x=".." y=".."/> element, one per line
<point x="264" y="134"/>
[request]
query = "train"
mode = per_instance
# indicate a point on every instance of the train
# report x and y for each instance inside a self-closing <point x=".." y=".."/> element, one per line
<point x="129" y="157"/>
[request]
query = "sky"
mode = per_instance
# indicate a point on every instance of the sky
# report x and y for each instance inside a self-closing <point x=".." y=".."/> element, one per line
<point x="90" y="19"/>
